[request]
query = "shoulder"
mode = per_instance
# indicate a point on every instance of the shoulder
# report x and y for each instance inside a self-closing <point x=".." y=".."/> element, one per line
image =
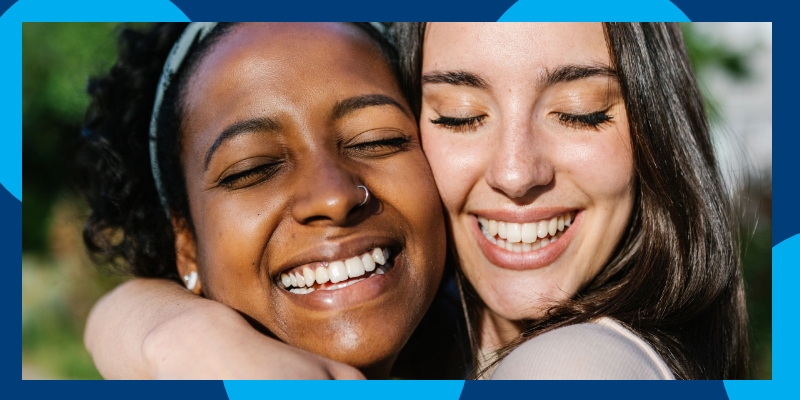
<point x="602" y="349"/>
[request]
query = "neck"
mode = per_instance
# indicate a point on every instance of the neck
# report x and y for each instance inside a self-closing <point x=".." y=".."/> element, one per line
<point x="496" y="331"/>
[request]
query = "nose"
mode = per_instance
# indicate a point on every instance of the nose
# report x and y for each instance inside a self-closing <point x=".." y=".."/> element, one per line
<point x="327" y="193"/>
<point x="520" y="161"/>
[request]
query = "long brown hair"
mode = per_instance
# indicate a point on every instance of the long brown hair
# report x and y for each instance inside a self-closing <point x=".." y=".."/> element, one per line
<point x="675" y="278"/>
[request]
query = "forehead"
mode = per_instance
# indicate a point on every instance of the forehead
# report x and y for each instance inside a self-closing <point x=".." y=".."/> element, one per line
<point x="508" y="47"/>
<point x="258" y="67"/>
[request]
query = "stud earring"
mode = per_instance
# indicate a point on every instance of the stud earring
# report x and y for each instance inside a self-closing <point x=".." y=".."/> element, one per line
<point x="191" y="280"/>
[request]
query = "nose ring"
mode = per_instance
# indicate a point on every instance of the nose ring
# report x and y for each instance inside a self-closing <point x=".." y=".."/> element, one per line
<point x="366" y="195"/>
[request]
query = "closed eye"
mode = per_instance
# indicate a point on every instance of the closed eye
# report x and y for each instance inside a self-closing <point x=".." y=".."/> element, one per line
<point x="249" y="177"/>
<point x="585" y="121"/>
<point x="383" y="147"/>
<point x="459" y="124"/>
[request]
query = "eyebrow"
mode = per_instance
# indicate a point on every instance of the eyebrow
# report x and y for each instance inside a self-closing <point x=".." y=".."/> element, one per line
<point x="458" y="78"/>
<point x="349" y="105"/>
<point x="562" y="74"/>
<point x="574" y="72"/>
<point x="255" y="125"/>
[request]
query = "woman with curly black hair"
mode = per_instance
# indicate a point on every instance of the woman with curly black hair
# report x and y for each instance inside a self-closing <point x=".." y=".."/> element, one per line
<point x="275" y="169"/>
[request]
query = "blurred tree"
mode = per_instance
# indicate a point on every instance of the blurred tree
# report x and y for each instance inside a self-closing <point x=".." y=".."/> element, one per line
<point x="56" y="61"/>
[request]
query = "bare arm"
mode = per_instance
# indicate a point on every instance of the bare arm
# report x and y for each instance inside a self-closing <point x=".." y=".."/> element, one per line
<point x="155" y="329"/>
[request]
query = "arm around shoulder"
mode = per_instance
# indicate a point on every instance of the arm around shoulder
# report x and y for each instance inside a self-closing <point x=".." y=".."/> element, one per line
<point x="155" y="329"/>
<point x="126" y="327"/>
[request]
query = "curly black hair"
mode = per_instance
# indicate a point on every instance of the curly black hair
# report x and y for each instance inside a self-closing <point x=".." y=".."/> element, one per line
<point x="128" y="228"/>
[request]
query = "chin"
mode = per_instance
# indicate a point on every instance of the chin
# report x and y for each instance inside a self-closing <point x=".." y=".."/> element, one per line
<point x="364" y="337"/>
<point x="368" y="348"/>
<point x="520" y="300"/>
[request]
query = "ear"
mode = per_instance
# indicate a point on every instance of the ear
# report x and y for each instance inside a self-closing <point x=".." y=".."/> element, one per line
<point x="186" y="255"/>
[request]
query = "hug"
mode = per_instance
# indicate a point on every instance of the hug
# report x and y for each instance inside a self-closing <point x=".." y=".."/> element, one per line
<point x="295" y="197"/>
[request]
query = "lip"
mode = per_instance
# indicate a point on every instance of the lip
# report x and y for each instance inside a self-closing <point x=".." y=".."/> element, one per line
<point x="359" y="293"/>
<point x="535" y="259"/>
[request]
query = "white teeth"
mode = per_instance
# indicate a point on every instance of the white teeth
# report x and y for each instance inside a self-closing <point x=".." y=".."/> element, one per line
<point x="334" y="272"/>
<point x="524" y="237"/>
<point x="355" y="267"/>
<point x="552" y="227"/>
<point x="369" y="263"/>
<point x="542" y="229"/>
<point x="379" y="271"/>
<point x="513" y="232"/>
<point x="378" y="256"/>
<point x="286" y="281"/>
<point x="308" y="276"/>
<point x="337" y="271"/>
<point x="322" y="275"/>
<point x="528" y="232"/>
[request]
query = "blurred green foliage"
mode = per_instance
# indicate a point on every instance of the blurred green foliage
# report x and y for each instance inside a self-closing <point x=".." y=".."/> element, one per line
<point x="706" y="53"/>
<point x="57" y="58"/>
<point x="60" y="284"/>
<point x="754" y="202"/>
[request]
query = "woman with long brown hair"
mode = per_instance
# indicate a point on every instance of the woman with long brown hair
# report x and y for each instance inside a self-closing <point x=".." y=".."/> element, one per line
<point x="602" y="127"/>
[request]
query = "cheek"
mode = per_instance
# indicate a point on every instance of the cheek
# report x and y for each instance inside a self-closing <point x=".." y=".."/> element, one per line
<point x="602" y="165"/>
<point x="232" y="232"/>
<point x="411" y="190"/>
<point x="457" y="162"/>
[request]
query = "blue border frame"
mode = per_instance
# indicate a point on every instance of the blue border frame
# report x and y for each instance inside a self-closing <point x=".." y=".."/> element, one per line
<point x="786" y="241"/>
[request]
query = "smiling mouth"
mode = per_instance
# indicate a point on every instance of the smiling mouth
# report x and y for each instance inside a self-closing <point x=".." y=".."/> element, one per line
<point x="525" y="237"/>
<point x="339" y="274"/>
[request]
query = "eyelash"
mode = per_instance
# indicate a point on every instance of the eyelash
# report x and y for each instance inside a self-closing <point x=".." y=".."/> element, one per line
<point x="264" y="171"/>
<point x="398" y="143"/>
<point x="585" y="121"/>
<point x="459" y="124"/>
